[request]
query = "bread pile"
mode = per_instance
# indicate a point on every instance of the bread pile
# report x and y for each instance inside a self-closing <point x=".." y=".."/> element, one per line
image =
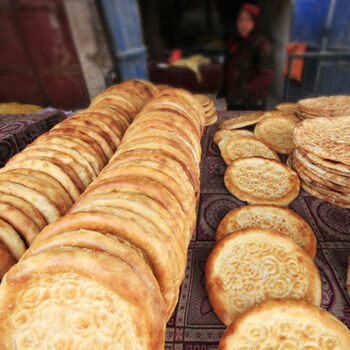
<point x="322" y="158"/>
<point x="209" y="109"/>
<point x="40" y="184"/>
<point x="263" y="284"/>
<point x="255" y="173"/>
<point x="107" y="274"/>
<point x="262" y="252"/>
<point x="324" y="106"/>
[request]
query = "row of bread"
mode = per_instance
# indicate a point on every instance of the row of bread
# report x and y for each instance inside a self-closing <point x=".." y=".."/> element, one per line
<point x="40" y="184"/>
<point x="107" y="274"/>
<point x="260" y="276"/>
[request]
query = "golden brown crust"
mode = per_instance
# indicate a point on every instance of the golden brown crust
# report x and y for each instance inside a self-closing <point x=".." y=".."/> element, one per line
<point x="261" y="326"/>
<point x="252" y="265"/>
<point x="236" y="147"/>
<point x="223" y="133"/>
<point x="267" y="216"/>
<point x="52" y="167"/>
<point x="75" y="143"/>
<point x="259" y="180"/>
<point x="242" y="121"/>
<point x="6" y="260"/>
<point x="24" y="206"/>
<point x="321" y="178"/>
<point x="277" y="132"/>
<point x="288" y="108"/>
<point x="169" y="150"/>
<point x="171" y="125"/>
<point x="187" y="203"/>
<point x="11" y="239"/>
<point x="81" y="134"/>
<point x="327" y="138"/>
<point x="156" y="248"/>
<point x="94" y="270"/>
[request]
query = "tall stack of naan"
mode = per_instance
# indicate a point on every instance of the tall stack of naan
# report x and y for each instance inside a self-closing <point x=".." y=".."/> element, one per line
<point x="324" y="106"/>
<point x="40" y="184"/>
<point x="107" y="274"/>
<point x="322" y="158"/>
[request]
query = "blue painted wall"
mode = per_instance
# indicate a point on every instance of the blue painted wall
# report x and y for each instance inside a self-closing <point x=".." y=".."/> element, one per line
<point x="309" y="18"/>
<point x="308" y="26"/>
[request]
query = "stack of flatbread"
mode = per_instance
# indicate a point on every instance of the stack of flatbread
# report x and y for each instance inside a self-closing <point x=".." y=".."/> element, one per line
<point x="209" y="109"/>
<point x="324" y="106"/>
<point x="322" y="158"/>
<point x="107" y="274"/>
<point x="40" y="184"/>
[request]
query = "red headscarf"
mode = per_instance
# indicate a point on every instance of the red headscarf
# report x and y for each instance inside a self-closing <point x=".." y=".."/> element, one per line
<point x="252" y="9"/>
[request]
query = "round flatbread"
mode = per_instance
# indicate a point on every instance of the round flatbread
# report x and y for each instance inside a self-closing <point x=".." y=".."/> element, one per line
<point x="262" y="181"/>
<point x="288" y="108"/>
<point x="224" y="133"/>
<point x="252" y="265"/>
<point x="270" y="217"/>
<point x="70" y="298"/>
<point x="157" y="248"/>
<point x="243" y="147"/>
<point x="277" y="132"/>
<point x="286" y="324"/>
<point x="241" y="121"/>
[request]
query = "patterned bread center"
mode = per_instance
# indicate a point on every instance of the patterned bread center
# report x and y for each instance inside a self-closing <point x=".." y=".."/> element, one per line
<point x="56" y="312"/>
<point x="264" y="181"/>
<point x="280" y="134"/>
<point x="287" y="335"/>
<point x="248" y="148"/>
<point x="257" y="271"/>
<point x="276" y="222"/>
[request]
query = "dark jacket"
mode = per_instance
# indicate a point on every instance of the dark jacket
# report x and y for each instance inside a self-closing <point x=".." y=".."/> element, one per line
<point x="247" y="72"/>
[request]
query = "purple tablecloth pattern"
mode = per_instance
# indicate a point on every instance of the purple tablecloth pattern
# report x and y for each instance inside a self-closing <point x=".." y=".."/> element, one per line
<point x="194" y="325"/>
<point x="19" y="130"/>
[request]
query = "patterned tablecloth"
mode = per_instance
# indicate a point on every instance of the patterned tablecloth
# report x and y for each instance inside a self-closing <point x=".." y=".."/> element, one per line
<point x="19" y="130"/>
<point x="194" y="325"/>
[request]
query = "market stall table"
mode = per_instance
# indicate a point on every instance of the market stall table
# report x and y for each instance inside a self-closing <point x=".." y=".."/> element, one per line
<point x="194" y="325"/>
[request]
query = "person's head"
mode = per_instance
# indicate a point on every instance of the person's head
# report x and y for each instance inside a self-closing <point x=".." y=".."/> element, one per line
<point x="247" y="19"/>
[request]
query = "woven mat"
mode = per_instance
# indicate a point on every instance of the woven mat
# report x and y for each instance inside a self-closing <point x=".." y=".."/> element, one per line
<point x="194" y="325"/>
